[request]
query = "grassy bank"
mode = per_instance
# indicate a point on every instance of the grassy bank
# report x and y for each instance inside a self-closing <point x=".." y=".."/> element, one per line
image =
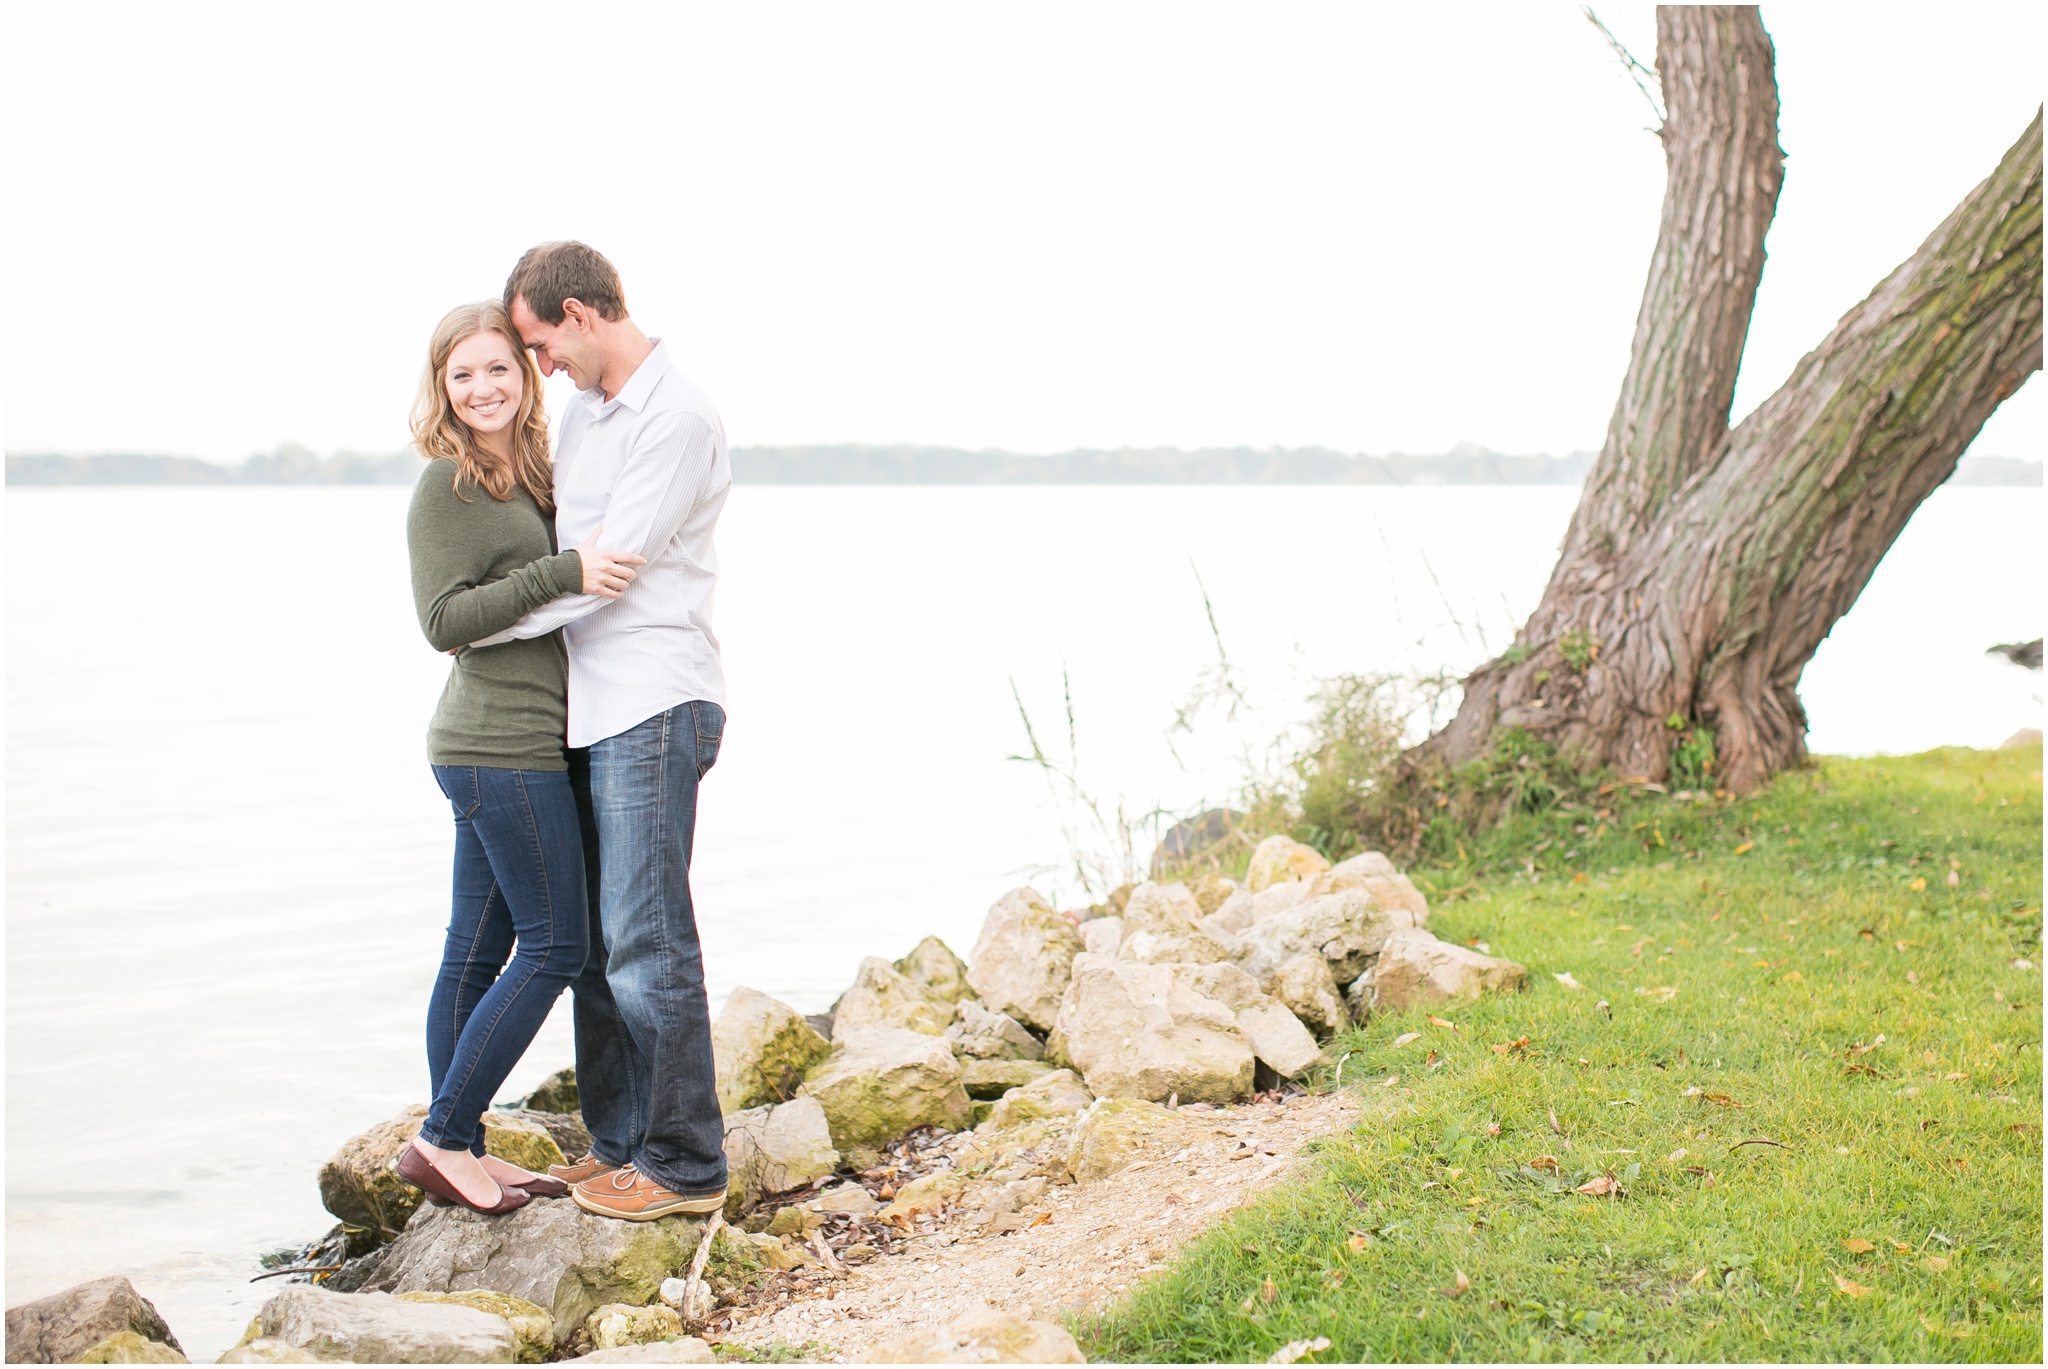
<point x="1844" y="967"/>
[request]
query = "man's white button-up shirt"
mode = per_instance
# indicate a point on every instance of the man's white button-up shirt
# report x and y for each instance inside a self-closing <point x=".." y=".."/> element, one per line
<point x="650" y="469"/>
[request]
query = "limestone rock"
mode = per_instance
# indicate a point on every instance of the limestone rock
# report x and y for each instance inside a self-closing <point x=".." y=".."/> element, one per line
<point x="1159" y="928"/>
<point x="776" y="1148"/>
<point x="1276" y="860"/>
<point x="1023" y="958"/>
<point x="1138" y="1031"/>
<point x="932" y="966"/>
<point x="1212" y="892"/>
<point x="1358" y="997"/>
<point x="1305" y="984"/>
<point x="360" y="1183"/>
<point x="978" y="1034"/>
<point x="761" y="1048"/>
<point x="1375" y="874"/>
<point x="1052" y="1095"/>
<point x="847" y="1197"/>
<point x="1346" y="929"/>
<point x="881" y="997"/>
<point x="1271" y="902"/>
<point x="126" y="1347"/>
<point x="880" y="1082"/>
<point x="684" y="1350"/>
<point x="533" y="1330"/>
<point x="61" y="1327"/>
<point x="983" y="1336"/>
<point x="1276" y="1035"/>
<point x="1102" y="935"/>
<point x="557" y="1093"/>
<point x="551" y="1253"/>
<point x="1109" y="1136"/>
<point x="620" y="1324"/>
<point x="1232" y="915"/>
<point x="928" y="1194"/>
<point x="266" y="1350"/>
<point x="375" y="1328"/>
<point x="1415" y="968"/>
<point x="994" y="1078"/>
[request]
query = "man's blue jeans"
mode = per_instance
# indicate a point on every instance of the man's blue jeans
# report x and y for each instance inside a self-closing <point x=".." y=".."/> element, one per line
<point x="518" y="877"/>
<point x="643" y="1026"/>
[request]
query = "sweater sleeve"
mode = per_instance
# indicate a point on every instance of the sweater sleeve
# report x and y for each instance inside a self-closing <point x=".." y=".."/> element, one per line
<point x="454" y="609"/>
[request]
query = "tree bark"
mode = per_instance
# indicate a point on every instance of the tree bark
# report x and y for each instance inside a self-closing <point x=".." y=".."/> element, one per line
<point x="1702" y="571"/>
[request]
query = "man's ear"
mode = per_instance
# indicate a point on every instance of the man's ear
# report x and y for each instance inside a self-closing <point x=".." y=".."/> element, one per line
<point x="578" y="313"/>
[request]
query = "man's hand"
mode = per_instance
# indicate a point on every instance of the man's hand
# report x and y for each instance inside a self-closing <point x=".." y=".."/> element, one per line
<point x="607" y="573"/>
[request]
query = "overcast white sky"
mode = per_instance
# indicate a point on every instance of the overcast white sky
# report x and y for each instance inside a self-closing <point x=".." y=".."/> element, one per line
<point x="1024" y="226"/>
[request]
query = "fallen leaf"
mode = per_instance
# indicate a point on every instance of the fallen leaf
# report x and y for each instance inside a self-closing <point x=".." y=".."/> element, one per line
<point x="1270" y="1291"/>
<point x="1600" y="1187"/>
<point x="1405" y="1037"/>
<point x="1917" y="885"/>
<point x="1720" y="1100"/>
<point x="1745" y="848"/>
<point x="1663" y="993"/>
<point x="1675" y="1156"/>
<point x="1461" y="1286"/>
<point x="1955" y="1078"/>
<point x="1295" y="1349"/>
<point x="1548" y="1162"/>
<point x="1858" y="1246"/>
<point x="1553" y="1122"/>
<point x="1493" y="1128"/>
<point x="1358" y="1242"/>
<point x="1954" y="879"/>
<point x="1792" y="978"/>
<point x="1902" y="1247"/>
<point x="1936" y="1263"/>
<point x="1958" y="1332"/>
<point x="1567" y="980"/>
<point x="1430" y="1060"/>
<point x="1519" y="1043"/>
<point x="1391" y="1080"/>
<point x="1849" y="1286"/>
<point x="1912" y="978"/>
<point x="1436" y="1021"/>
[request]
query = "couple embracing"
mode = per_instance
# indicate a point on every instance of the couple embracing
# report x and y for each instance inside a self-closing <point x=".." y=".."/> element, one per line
<point x="582" y="711"/>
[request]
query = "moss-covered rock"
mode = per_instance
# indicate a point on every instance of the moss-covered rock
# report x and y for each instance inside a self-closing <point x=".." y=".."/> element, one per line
<point x="557" y="1093"/>
<point x="618" y="1324"/>
<point x="880" y="1082"/>
<point x="774" y="1149"/>
<point x="127" y="1347"/>
<point x="1058" y="1094"/>
<point x="1110" y="1135"/>
<point x="978" y="1034"/>
<point x="762" y="1047"/>
<point x="1278" y="860"/>
<point x="883" y="997"/>
<point x="993" y="1078"/>
<point x="533" y="1330"/>
<point x="932" y="966"/>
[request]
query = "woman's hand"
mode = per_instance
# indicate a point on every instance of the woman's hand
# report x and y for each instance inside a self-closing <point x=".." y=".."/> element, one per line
<point x="607" y="573"/>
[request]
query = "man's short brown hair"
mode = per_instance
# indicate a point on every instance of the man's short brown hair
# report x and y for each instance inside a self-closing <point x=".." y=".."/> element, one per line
<point x="557" y="271"/>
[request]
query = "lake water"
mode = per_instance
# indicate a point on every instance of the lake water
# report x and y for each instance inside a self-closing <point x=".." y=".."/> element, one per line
<point x="227" y="861"/>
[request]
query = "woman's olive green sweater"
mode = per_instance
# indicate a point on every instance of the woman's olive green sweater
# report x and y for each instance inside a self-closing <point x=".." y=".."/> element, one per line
<point x="478" y="566"/>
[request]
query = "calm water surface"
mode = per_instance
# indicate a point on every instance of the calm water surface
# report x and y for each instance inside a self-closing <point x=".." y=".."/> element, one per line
<point x="227" y="861"/>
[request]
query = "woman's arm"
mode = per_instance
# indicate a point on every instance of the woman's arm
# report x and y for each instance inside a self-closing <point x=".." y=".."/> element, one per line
<point x="455" y="610"/>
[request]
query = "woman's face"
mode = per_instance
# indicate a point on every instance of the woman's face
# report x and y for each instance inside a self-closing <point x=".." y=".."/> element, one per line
<point x="484" y="382"/>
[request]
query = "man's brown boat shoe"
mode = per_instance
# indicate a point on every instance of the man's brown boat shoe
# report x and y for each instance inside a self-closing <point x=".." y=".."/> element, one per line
<point x="575" y="1172"/>
<point x="631" y="1196"/>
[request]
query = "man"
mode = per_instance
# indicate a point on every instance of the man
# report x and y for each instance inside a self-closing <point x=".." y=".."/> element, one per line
<point x="641" y="456"/>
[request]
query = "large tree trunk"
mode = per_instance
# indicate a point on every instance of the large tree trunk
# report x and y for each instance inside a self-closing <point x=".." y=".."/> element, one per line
<point x="1703" y="569"/>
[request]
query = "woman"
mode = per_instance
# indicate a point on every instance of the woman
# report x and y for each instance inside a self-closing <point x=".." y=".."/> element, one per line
<point x="483" y="556"/>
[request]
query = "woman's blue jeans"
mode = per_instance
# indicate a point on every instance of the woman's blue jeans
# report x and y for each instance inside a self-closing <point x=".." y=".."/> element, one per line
<point x="518" y="881"/>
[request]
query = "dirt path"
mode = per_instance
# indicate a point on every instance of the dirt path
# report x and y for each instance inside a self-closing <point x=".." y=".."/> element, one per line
<point x="1019" y="1237"/>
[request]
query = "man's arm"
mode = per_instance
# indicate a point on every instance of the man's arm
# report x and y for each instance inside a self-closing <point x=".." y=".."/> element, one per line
<point x="660" y="483"/>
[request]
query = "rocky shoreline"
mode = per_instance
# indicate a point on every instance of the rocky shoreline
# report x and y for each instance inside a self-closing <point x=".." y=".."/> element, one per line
<point x="940" y="1104"/>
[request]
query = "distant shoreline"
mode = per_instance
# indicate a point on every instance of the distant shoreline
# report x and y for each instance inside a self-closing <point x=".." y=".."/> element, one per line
<point x="1465" y="464"/>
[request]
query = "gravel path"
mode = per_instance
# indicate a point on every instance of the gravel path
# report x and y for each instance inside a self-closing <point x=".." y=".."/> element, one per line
<point x="1065" y="1248"/>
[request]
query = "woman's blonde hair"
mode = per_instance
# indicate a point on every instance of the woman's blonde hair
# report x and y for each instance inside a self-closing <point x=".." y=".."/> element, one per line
<point x="438" y="432"/>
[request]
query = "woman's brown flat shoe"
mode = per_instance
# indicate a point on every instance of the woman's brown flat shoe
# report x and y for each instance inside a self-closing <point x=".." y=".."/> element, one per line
<point x="543" y="1186"/>
<point x="419" y="1171"/>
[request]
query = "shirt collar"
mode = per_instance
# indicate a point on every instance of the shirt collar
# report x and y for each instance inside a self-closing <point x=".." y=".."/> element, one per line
<point x="638" y="387"/>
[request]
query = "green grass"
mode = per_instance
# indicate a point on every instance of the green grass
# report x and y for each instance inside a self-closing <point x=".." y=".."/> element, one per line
<point x="1790" y="928"/>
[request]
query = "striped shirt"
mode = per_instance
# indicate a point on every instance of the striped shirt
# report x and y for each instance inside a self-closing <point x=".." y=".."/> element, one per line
<point x="650" y="470"/>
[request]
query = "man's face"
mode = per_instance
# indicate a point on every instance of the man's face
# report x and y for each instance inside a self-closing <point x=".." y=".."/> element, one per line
<point x="566" y="346"/>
